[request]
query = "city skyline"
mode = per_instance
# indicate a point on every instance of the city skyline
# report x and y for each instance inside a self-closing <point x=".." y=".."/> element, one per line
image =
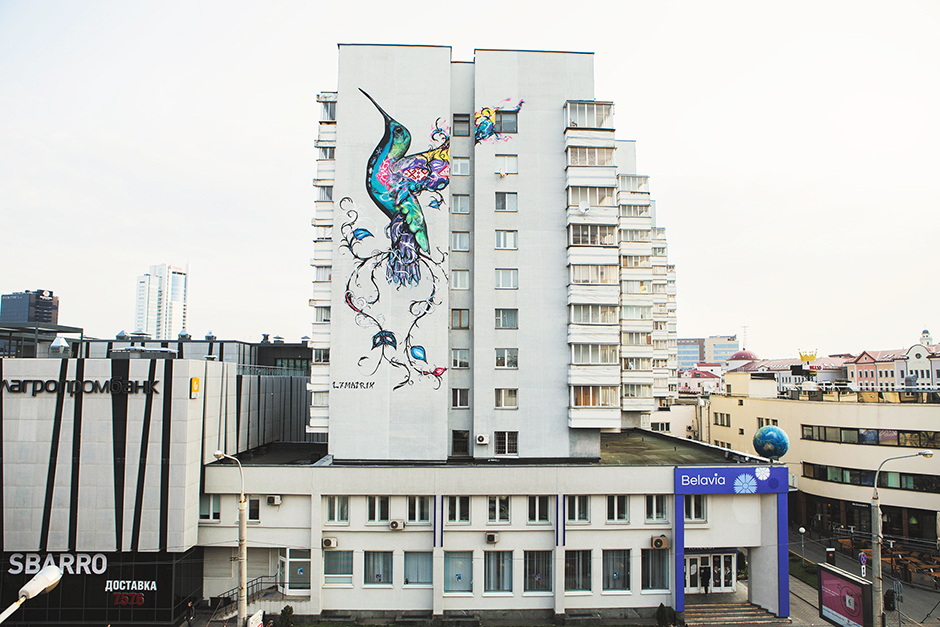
<point x="789" y="151"/>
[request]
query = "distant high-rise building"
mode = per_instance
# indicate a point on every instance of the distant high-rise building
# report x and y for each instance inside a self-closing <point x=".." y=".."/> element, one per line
<point x="712" y="349"/>
<point x="38" y="306"/>
<point x="161" y="302"/>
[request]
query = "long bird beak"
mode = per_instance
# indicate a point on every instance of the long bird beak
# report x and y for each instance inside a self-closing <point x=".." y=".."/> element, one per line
<point x="381" y="110"/>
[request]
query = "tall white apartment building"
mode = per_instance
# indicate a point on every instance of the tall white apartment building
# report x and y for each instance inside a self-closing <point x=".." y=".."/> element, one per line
<point x="160" y="311"/>
<point x="541" y="306"/>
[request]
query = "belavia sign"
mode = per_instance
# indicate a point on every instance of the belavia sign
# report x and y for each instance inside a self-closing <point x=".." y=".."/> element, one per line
<point x="52" y="386"/>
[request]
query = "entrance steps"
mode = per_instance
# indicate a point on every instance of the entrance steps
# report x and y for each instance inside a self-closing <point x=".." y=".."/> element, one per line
<point x="729" y="614"/>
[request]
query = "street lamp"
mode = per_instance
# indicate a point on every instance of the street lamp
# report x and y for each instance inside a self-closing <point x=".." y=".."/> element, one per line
<point x="242" y="544"/>
<point x="878" y="608"/>
<point x="802" y="530"/>
<point x="44" y="581"/>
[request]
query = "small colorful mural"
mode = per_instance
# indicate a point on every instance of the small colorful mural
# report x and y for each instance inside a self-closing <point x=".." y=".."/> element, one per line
<point x="484" y="122"/>
<point x="396" y="182"/>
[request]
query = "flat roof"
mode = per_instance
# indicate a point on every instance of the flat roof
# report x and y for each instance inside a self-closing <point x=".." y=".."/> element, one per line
<point x="631" y="447"/>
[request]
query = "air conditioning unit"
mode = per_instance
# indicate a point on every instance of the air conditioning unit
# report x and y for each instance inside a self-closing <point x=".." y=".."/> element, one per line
<point x="492" y="537"/>
<point x="662" y="542"/>
<point x="483" y="439"/>
<point x="274" y="499"/>
<point x="396" y="525"/>
<point x="330" y="543"/>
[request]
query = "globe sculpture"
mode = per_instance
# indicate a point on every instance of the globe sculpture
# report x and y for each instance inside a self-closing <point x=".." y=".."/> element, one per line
<point x="771" y="442"/>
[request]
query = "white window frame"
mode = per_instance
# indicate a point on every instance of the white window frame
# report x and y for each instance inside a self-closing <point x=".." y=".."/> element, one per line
<point x="656" y="508"/>
<point x="507" y="164"/>
<point x="460" y="241"/>
<point x="696" y="508"/>
<point x="460" y="204"/>
<point x="337" y="510"/>
<point x="498" y="510"/>
<point x="507" y="398"/>
<point x="578" y="508"/>
<point x="419" y="509"/>
<point x="209" y="508"/>
<point x="541" y="507"/>
<point x="510" y="202"/>
<point x="460" y="279"/>
<point x="458" y="510"/>
<point x="509" y="358"/>
<point x="499" y="318"/>
<point x="507" y="240"/>
<point x="459" y="358"/>
<point x="460" y="398"/>
<point x="377" y="509"/>
<point x="460" y="166"/>
<point x="321" y="314"/>
<point x="618" y="508"/>
<point x="507" y="278"/>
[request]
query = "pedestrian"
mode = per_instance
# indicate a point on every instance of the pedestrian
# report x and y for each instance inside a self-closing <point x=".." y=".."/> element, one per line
<point x="190" y="614"/>
<point x="706" y="578"/>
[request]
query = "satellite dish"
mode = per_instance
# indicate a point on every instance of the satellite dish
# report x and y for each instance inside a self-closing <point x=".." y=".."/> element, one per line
<point x="583" y="206"/>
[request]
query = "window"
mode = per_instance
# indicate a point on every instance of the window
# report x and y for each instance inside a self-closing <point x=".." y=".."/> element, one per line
<point x="460" y="241"/>
<point x="460" y="204"/>
<point x="418" y="567"/>
<point x="638" y="287"/>
<point x="616" y="569"/>
<point x="377" y="567"/>
<point x="460" y="358"/>
<point x="618" y="508"/>
<point x="377" y="508"/>
<point x="638" y="313"/>
<point x="459" y="318"/>
<point x="592" y="235"/>
<point x="538" y="509"/>
<point x="578" y="508"/>
<point x="322" y="314"/>
<point x="460" y="279"/>
<point x="507" y="318"/>
<point x="322" y="234"/>
<point x="507" y="164"/>
<point x="458" y="509"/>
<point x="321" y="399"/>
<point x="631" y="235"/>
<point x="593" y="196"/>
<point x="578" y="570"/>
<point x="655" y="508"/>
<point x="460" y="398"/>
<point x="321" y="355"/>
<point x="327" y="153"/>
<point x="209" y="507"/>
<point x="634" y="211"/>
<point x="507" y="201"/>
<point x="461" y="125"/>
<point x="507" y="442"/>
<point x="763" y="422"/>
<point x="594" y="275"/>
<point x="325" y="192"/>
<point x="594" y="314"/>
<point x="254" y="507"/>
<point x="507" y="357"/>
<point x="590" y="156"/>
<point x="637" y="390"/>
<point x="661" y="426"/>
<point x="538" y="571"/>
<point x="594" y="396"/>
<point x="337" y="568"/>
<point x="507" y="240"/>
<point x="459" y="442"/>
<point x="337" y="509"/>
<point x="695" y="507"/>
<point x="506" y="121"/>
<point x="499" y="509"/>
<point x="595" y="353"/>
<point x="590" y="115"/>
<point x="497" y="571"/>
<point x="507" y="279"/>
<point x="458" y="571"/>
<point x="507" y="398"/>
<point x="655" y="563"/>
<point x="419" y="509"/>
<point x="328" y="111"/>
<point x="460" y="166"/>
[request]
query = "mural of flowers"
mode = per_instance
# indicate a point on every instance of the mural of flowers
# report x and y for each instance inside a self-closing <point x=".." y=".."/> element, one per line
<point x="762" y="473"/>
<point x="745" y="484"/>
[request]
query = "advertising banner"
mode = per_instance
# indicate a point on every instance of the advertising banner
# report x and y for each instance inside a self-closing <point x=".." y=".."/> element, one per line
<point x="844" y="599"/>
<point x="732" y="479"/>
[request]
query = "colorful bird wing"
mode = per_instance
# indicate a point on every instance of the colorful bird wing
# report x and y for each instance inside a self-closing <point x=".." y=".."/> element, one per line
<point x="427" y="170"/>
<point x="414" y="218"/>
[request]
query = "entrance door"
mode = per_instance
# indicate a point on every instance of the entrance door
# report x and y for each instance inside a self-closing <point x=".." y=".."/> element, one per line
<point x="721" y="572"/>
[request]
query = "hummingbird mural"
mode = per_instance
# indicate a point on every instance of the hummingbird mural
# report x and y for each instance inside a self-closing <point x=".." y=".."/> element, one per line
<point x="394" y="182"/>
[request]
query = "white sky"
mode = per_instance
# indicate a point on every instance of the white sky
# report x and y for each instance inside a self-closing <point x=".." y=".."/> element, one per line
<point x="792" y="149"/>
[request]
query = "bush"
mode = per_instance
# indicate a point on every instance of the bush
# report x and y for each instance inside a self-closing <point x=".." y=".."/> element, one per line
<point x="286" y="618"/>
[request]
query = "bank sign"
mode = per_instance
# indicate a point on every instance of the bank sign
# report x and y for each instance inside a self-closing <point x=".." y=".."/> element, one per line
<point x="736" y="479"/>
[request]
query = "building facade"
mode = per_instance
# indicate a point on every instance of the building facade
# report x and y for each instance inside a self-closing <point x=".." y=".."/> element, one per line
<point x="160" y="310"/>
<point x="38" y="307"/>
<point x="528" y="296"/>
<point x="714" y="348"/>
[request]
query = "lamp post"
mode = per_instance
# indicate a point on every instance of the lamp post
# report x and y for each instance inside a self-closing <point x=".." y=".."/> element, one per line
<point x="878" y="608"/>
<point x="802" y="558"/>
<point x="44" y="581"/>
<point x="242" y="544"/>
